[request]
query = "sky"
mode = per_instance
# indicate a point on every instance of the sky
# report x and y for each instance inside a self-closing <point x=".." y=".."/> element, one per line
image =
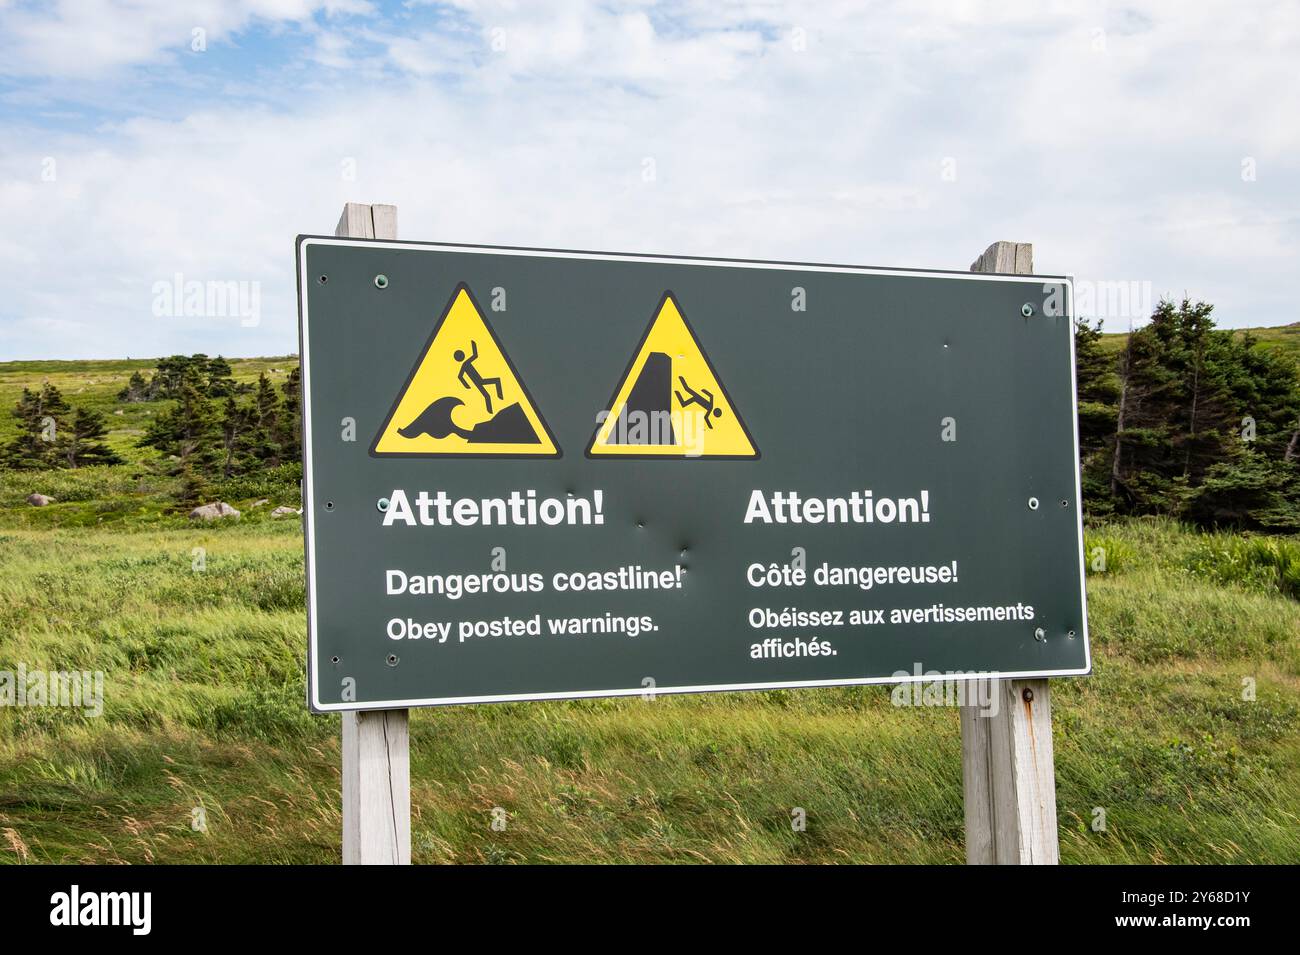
<point x="1147" y="148"/>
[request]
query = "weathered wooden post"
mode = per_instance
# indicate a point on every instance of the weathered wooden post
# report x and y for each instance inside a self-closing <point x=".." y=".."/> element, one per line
<point x="376" y="743"/>
<point x="1007" y="767"/>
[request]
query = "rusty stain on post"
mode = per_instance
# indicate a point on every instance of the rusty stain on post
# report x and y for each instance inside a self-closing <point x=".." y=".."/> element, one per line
<point x="1008" y="778"/>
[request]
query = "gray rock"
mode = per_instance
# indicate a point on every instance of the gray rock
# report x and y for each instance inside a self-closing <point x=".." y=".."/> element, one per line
<point x="283" y="511"/>
<point x="259" y="503"/>
<point x="39" y="500"/>
<point x="211" y="512"/>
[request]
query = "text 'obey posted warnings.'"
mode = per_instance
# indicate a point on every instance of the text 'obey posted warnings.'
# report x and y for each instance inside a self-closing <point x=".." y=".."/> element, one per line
<point x="465" y="397"/>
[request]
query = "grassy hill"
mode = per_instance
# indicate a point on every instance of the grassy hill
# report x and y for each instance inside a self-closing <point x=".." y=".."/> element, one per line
<point x="205" y="714"/>
<point x="1281" y="338"/>
<point x="140" y="488"/>
<point x="95" y="384"/>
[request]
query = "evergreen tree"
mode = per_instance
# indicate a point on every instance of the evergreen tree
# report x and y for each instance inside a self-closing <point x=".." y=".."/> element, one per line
<point x="194" y="489"/>
<point x="177" y="370"/>
<point x="1269" y="399"/>
<point x="190" y="430"/>
<point x="1146" y="406"/>
<point x="1204" y="362"/>
<point x="220" y="378"/>
<point x="82" y="444"/>
<point x="238" y="423"/>
<point x="1251" y="491"/>
<point x="137" y="389"/>
<point x="42" y="416"/>
<point x="1098" y="391"/>
<point x="1204" y="424"/>
<point x="266" y="411"/>
<point x="289" y="426"/>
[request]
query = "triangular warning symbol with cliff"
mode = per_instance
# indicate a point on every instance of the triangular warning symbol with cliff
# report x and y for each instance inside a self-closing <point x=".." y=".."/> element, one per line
<point x="670" y="402"/>
<point x="464" y="397"/>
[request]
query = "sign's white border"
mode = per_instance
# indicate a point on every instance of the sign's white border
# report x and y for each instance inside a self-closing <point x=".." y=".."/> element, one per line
<point x="313" y="670"/>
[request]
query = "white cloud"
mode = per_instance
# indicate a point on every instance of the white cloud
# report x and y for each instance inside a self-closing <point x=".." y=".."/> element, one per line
<point x="87" y="38"/>
<point x="1120" y="163"/>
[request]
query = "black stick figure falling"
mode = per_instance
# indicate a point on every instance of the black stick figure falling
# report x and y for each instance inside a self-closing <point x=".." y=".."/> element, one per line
<point x="467" y="370"/>
<point x="704" y="398"/>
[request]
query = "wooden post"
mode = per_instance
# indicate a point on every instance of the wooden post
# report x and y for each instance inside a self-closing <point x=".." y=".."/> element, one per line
<point x="376" y="743"/>
<point x="1007" y="767"/>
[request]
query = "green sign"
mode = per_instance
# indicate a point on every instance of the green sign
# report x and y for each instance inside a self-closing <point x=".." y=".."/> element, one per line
<point x="536" y="474"/>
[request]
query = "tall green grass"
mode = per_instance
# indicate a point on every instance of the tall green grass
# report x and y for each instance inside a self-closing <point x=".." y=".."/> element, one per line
<point x="1267" y="564"/>
<point x="1187" y="734"/>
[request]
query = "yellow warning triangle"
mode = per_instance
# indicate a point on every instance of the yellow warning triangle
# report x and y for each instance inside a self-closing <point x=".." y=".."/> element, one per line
<point x="670" y="402"/>
<point x="464" y="397"/>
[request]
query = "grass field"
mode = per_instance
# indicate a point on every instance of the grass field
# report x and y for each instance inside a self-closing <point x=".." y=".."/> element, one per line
<point x="95" y="384"/>
<point x="204" y="711"/>
<point x="1281" y="338"/>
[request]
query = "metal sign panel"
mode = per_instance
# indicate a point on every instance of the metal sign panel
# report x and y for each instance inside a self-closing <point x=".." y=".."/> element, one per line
<point x="538" y="474"/>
